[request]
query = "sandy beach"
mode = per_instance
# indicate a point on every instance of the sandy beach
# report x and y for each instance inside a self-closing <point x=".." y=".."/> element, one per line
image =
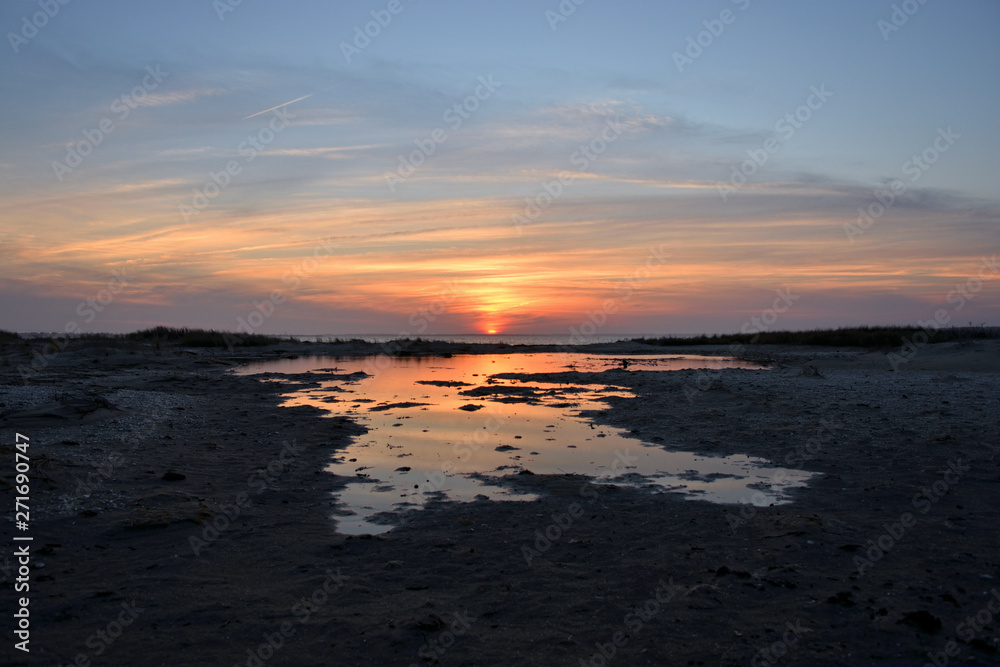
<point x="473" y="334"/>
<point x="180" y="516"/>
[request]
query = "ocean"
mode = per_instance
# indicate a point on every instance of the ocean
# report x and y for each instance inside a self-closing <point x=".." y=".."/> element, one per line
<point x="546" y="339"/>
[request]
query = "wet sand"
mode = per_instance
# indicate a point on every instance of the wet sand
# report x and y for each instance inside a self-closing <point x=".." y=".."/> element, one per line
<point x="180" y="516"/>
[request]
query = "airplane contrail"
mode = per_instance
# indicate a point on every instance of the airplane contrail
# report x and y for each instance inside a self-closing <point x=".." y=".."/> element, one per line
<point x="285" y="104"/>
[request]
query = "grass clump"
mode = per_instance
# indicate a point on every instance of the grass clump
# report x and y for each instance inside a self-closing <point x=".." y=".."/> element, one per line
<point x="188" y="337"/>
<point x="862" y="336"/>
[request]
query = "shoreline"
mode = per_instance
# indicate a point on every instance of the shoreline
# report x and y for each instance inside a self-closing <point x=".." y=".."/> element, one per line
<point x="109" y="423"/>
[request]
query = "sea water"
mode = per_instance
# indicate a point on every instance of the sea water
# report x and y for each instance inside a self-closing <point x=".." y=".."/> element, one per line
<point x="446" y="429"/>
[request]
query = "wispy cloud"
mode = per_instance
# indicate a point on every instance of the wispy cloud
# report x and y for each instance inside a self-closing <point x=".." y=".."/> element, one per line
<point x="184" y="152"/>
<point x="326" y="116"/>
<point x="332" y="152"/>
<point x="178" y="97"/>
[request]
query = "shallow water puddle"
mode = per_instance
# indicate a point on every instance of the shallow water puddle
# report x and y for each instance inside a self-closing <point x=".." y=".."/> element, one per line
<point x="446" y="429"/>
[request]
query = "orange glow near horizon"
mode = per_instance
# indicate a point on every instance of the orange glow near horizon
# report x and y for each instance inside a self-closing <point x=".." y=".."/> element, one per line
<point x="382" y="263"/>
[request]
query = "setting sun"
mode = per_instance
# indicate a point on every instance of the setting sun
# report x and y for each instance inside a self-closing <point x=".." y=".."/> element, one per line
<point x="450" y="276"/>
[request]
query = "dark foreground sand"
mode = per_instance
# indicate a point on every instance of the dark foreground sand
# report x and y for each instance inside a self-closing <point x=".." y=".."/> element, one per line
<point x="891" y="554"/>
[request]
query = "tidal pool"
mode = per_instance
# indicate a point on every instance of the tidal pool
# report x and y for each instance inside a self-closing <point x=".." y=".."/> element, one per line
<point x="447" y="429"/>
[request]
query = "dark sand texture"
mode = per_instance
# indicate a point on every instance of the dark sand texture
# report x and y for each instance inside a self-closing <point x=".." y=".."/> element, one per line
<point x="136" y="453"/>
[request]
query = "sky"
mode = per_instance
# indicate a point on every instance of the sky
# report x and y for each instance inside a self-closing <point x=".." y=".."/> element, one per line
<point x="417" y="167"/>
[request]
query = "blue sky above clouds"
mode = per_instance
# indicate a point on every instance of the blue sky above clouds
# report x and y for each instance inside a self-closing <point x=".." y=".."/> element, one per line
<point x="557" y="84"/>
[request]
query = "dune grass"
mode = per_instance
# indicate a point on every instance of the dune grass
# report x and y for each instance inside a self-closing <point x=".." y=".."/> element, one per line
<point x="859" y="336"/>
<point x="189" y="337"/>
<point x="862" y="336"/>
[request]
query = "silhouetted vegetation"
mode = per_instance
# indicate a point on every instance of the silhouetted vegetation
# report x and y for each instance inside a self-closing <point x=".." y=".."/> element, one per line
<point x="865" y="336"/>
<point x="201" y="337"/>
<point x="8" y="336"/>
